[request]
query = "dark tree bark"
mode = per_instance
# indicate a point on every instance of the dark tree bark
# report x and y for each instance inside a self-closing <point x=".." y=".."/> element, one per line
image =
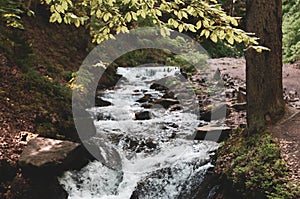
<point x="264" y="70"/>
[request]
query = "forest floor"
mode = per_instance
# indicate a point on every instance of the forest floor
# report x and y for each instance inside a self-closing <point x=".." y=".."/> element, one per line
<point x="287" y="130"/>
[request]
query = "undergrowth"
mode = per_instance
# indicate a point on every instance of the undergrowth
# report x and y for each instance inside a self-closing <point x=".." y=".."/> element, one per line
<point x="255" y="167"/>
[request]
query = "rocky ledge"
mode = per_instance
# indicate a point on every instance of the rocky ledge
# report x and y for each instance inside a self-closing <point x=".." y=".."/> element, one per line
<point x="45" y="155"/>
<point x="41" y="163"/>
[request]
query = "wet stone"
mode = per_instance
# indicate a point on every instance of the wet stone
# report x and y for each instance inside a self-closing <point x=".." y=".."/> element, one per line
<point x="100" y="102"/>
<point x="158" y="87"/>
<point x="145" y="98"/>
<point x="143" y="115"/>
<point x="166" y="102"/>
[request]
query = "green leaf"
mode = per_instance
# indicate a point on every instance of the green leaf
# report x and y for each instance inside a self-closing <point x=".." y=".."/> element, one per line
<point x="106" y="16"/>
<point x="134" y="16"/>
<point x="180" y="27"/>
<point x="234" y="22"/>
<point x="207" y="33"/>
<point x="52" y="18"/>
<point x="77" y="22"/>
<point x="128" y="17"/>
<point x="59" y="19"/>
<point x="184" y="14"/>
<point x="230" y="40"/>
<point x="98" y="14"/>
<point x="55" y="17"/>
<point x="214" y="38"/>
<point x="64" y="5"/>
<point x="221" y="34"/>
<point x="192" y="28"/>
<point x="190" y="10"/>
<point x="201" y="14"/>
<point x="179" y="15"/>
<point x="205" y="23"/>
<point x="238" y="39"/>
<point x="175" y="24"/>
<point x="158" y="12"/>
<point x="142" y="13"/>
<point x="198" y="24"/>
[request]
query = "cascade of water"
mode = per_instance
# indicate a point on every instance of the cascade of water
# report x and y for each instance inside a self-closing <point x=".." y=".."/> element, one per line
<point x="156" y="159"/>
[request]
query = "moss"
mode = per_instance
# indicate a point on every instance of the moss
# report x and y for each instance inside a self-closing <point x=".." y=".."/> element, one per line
<point x="50" y="102"/>
<point x="255" y="167"/>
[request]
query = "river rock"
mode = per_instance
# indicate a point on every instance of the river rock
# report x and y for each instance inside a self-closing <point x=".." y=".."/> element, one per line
<point x="147" y="105"/>
<point x="169" y="94"/>
<point x="166" y="102"/>
<point x="45" y="156"/>
<point x="175" y="107"/>
<point x="213" y="133"/>
<point x="100" y="102"/>
<point x="158" y="183"/>
<point x="214" y="113"/>
<point x="143" y="115"/>
<point x="158" y="87"/>
<point x="239" y="106"/>
<point x="145" y="98"/>
<point x="139" y="145"/>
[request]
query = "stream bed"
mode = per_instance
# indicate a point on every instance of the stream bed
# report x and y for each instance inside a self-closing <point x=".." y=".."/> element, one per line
<point x="146" y="140"/>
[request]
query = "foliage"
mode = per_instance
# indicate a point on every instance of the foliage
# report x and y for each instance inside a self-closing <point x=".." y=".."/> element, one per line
<point x="106" y="18"/>
<point x="254" y="165"/>
<point x="11" y="12"/>
<point x="291" y="33"/>
<point x="221" y="49"/>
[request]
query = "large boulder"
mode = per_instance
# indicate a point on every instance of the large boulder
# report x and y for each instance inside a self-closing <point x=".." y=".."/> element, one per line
<point x="45" y="156"/>
<point x="213" y="133"/>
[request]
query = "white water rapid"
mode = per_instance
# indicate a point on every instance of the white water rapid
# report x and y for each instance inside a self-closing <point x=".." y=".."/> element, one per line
<point x="156" y="158"/>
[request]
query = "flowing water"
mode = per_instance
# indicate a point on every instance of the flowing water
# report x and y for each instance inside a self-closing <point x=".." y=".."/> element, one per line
<point x="153" y="158"/>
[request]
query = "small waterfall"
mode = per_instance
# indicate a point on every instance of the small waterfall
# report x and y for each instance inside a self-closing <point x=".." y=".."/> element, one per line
<point x="156" y="159"/>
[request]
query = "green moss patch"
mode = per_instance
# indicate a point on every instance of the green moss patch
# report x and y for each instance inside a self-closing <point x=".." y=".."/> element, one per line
<point x="255" y="167"/>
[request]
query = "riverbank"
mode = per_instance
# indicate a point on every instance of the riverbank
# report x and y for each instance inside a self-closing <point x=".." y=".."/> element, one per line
<point x="265" y="165"/>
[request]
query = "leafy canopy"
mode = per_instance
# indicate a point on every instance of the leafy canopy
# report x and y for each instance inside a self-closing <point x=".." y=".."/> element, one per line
<point x="205" y="18"/>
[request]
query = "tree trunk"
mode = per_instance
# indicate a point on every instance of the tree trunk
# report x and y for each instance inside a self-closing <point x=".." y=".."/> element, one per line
<point x="264" y="70"/>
